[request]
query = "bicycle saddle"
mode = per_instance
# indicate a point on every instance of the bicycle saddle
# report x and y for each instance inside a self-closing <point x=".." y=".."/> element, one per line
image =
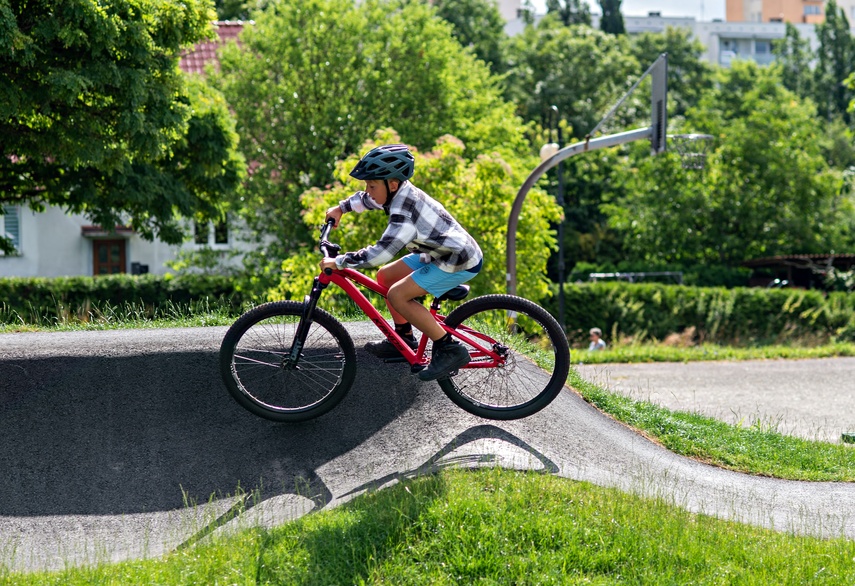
<point x="456" y="294"/>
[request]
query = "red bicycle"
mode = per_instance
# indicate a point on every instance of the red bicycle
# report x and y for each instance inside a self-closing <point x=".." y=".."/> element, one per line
<point x="290" y="361"/>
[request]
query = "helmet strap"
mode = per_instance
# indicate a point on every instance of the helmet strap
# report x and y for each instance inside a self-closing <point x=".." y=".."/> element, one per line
<point x="389" y="195"/>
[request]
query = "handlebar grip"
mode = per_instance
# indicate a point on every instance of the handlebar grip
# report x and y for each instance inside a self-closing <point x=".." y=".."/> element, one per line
<point x="327" y="272"/>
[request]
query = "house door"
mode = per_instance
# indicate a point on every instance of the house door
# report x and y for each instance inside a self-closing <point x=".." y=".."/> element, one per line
<point x="108" y="256"/>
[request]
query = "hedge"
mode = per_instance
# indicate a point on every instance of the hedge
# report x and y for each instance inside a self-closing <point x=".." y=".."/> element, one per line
<point x="735" y="316"/>
<point x="34" y="299"/>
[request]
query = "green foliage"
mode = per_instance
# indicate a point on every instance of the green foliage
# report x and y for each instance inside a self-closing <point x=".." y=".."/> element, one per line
<point x="479" y="25"/>
<point x="97" y="118"/>
<point x="767" y="189"/>
<point x="793" y="54"/>
<point x="611" y="21"/>
<point x="311" y="80"/>
<point x="737" y="316"/>
<point x="570" y="11"/>
<point x="36" y="300"/>
<point x="478" y="193"/>
<point x="835" y="56"/>
<point x="580" y="70"/>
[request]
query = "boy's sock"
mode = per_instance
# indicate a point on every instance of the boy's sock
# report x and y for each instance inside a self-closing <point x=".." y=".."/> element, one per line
<point x="405" y="330"/>
<point x="446" y="339"/>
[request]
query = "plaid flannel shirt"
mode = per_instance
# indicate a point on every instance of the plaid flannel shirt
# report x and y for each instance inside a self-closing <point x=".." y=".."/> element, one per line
<point x="418" y="223"/>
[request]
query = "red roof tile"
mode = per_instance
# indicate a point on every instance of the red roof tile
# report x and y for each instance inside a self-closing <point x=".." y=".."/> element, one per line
<point x="194" y="60"/>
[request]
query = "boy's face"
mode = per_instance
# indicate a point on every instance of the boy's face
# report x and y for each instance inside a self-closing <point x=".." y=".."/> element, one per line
<point x="377" y="190"/>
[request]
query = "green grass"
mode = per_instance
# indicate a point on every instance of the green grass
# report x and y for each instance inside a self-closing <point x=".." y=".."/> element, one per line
<point x="758" y="449"/>
<point x="657" y="352"/>
<point x="490" y="527"/>
<point x="125" y="316"/>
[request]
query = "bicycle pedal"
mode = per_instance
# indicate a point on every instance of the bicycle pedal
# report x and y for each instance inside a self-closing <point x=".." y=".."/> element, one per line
<point x="417" y="368"/>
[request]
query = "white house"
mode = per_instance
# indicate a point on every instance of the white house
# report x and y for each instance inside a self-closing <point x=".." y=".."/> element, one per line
<point x="56" y="244"/>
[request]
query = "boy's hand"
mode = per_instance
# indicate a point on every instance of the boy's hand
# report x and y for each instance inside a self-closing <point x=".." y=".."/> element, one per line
<point x="334" y="214"/>
<point x="328" y="263"/>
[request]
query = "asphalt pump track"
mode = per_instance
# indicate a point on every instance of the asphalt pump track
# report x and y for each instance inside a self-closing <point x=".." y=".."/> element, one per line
<point x="125" y="444"/>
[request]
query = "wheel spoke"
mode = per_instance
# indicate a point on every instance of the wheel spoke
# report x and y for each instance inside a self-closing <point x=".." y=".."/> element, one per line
<point x="258" y="370"/>
<point x="535" y="360"/>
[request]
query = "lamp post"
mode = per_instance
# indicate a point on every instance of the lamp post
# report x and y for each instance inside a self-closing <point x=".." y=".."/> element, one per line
<point x="655" y="133"/>
<point x="547" y="151"/>
<point x="560" y="226"/>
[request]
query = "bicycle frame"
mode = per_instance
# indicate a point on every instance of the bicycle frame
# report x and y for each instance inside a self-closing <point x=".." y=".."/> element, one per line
<point x="484" y="354"/>
<point x="483" y="348"/>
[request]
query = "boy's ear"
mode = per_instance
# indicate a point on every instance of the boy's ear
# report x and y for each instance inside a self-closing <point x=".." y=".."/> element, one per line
<point x="394" y="184"/>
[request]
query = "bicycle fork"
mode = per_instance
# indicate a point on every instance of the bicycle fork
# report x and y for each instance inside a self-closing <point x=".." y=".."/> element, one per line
<point x="310" y="302"/>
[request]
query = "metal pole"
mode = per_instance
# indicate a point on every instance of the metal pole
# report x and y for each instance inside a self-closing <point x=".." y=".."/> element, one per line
<point x="560" y="199"/>
<point x="568" y="151"/>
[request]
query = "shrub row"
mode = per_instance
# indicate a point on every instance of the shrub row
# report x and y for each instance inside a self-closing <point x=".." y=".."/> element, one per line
<point x="736" y="316"/>
<point x="34" y="299"/>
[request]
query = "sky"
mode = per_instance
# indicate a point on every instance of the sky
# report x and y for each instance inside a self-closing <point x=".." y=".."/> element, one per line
<point x="703" y="10"/>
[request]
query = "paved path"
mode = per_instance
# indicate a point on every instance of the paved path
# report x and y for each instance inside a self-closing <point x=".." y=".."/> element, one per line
<point x="105" y="436"/>
<point x="814" y="399"/>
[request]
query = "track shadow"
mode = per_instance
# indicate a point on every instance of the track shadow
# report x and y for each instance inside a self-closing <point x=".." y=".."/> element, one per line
<point x="438" y="461"/>
<point x="132" y="434"/>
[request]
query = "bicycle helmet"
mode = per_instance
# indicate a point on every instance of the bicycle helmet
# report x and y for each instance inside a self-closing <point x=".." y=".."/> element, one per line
<point x="391" y="161"/>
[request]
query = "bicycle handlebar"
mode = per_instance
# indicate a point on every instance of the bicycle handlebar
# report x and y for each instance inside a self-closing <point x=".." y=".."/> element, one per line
<point x="325" y="245"/>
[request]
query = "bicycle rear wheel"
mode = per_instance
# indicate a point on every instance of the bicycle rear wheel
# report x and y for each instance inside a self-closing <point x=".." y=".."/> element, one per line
<point x="256" y="366"/>
<point x="537" y="358"/>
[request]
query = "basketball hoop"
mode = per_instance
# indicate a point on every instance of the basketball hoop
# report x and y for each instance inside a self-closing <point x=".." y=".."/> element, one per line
<point x="693" y="148"/>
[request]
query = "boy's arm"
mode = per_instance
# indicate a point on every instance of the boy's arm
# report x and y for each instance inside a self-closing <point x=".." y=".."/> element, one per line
<point x="397" y="235"/>
<point x="358" y="202"/>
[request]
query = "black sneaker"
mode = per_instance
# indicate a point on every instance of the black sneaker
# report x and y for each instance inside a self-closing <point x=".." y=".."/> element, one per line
<point x="385" y="349"/>
<point x="446" y="358"/>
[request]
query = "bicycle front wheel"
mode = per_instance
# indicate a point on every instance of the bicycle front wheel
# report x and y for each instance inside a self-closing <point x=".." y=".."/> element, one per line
<point x="535" y="352"/>
<point x="257" y="367"/>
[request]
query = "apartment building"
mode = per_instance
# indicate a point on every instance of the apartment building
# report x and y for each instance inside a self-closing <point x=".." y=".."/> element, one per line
<point x="794" y="11"/>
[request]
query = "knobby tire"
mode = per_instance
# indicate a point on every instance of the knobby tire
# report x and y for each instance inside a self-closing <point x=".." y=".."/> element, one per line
<point x="255" y="368"/>
<point x="537" y="362"/>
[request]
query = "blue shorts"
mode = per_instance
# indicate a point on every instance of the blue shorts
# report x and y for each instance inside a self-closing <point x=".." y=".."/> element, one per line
<point x="433" y="279"/>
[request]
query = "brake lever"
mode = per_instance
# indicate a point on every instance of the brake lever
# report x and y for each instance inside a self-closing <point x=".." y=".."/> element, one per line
<point x="330" y="249"/>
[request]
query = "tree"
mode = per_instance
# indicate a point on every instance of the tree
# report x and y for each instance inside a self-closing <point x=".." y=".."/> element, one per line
<point x="311" y="80"/>
<point x="232" y="9"/>
<point x="570" y="11"/>
<point x="97" y="118"/>
<point x="611" y="21"/>
<point x="767" y="189"/>
<point x="477" y="24"/>
<point x="835" y="56"/>
<point x="580" y="70"/>
<point x="794" y="56"/>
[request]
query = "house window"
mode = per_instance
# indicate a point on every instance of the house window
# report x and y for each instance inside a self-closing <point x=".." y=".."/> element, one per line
<point x="10" y="226"/>
<point x="762" y="47"/>
<point x="211" y="234"/>
<point x="108" y="256"/>
<point x="812" y="9"/>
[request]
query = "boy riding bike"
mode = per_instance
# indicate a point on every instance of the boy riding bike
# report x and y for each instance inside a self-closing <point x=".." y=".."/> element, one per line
<point x="442" y="254"/>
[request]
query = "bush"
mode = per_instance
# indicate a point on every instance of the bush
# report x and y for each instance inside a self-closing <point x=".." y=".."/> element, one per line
<point x="738" y="316"/>
<point x="33" y="300"/>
